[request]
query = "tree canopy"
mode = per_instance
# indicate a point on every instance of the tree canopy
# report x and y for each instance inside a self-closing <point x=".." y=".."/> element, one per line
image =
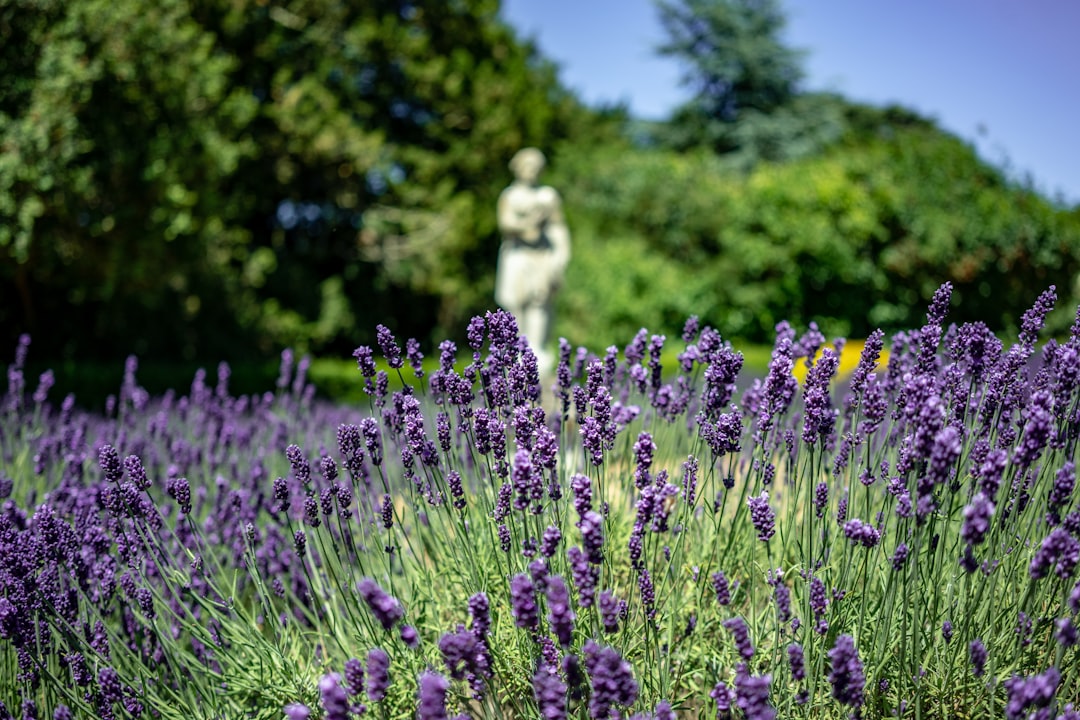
<point x="195" y="176"/>
<point x="746" y="101"/>
<point x="207" y="179"/>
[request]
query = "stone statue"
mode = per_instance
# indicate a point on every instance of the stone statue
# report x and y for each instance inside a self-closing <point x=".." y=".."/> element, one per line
<point x="534" y="253"/>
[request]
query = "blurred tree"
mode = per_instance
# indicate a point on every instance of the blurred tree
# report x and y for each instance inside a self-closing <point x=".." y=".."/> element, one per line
<point x="219" y="177"/>
<point x="745" y="82"/>
<point x="117" y="132"/>
<point x="885" y="215"/>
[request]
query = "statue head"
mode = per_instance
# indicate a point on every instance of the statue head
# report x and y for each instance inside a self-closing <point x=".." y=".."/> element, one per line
<point x="527" y="164"/>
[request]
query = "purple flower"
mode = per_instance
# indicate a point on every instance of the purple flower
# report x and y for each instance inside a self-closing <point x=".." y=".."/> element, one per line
<point x="1032" y="321"/>
<point x="479" y="610"/>
<point x="868" y="360"/>
<point x="762" y="516"/>
<point x="1059" y="550"/>
<point x="581" y="487"/>
<point x="819" y="602"/>
<point x="354" y="676"/>
<point x="415" y="357"/>
<point x="474" y="334"/>
<point x="560" y="614"/>
<point x="431" y="696"/>
<point x="648" y="593"/>
<point x="612" y="681"/>
<point x="592" y="536"/>
<point x="846" y="672"/>
<point x="741" y="633"/>
<point x="948" y="443"/>
<point x="136" y="472"/>
<point x="112" y="690"/>
<point x="457" y="490"/>
<point x="947" y="631"/>
<point x="781" y="594"/>
<point x="797" y="661"/>
<point x="664" y="711"/>
<point x="609" y="611"/>
<point x="584" y="574"/>
<point x="385" y="608"/>
<point x="311" y="511"/>
<point x="724" y="697"/>
<point x="369" y="428"/>
<point x="644" y="448"/>
<point x="549" y="542"/>
<point x="1061" y="491"/>
<point x="900" y="556"/>
<point x="721" y="588"/>
<point x="690" y="329"/>
<point x="389" y="346"/>
<point x="502" y="502"/>
<point x="365" y="361"/>
<point x="179" y="490"/>
<point x="1025" y="693"/>
<point x="841" y="509"/>
<point x="410" y="637"/>
<point x="1065" y="632"/>
<point x="334" y="699"/>
<point x="859" y="532"/>
<point x="821" y="499"/>
<point x="690" y="472"/>
<point x="463" y="653"/>
<point x="523" y="602"/>
<point x="378" y="674"/>
<point x="1038" y="430"/>
<point x="145" y="598"/>
<point x="752" y="694"/>
<point x="977" y="516"/>
<point x="296" y="711"/>
<point x="550" y="693"/>
<point x="977" y="653"/>
<point x="527" y="481"/>
<point x="819" y="417"/>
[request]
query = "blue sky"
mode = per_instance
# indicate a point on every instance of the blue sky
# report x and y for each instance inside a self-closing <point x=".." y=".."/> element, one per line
<point x="1003" y="74"/>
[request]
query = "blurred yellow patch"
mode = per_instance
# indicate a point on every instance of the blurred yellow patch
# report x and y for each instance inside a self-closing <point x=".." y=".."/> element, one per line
<point x="849" y="360"/>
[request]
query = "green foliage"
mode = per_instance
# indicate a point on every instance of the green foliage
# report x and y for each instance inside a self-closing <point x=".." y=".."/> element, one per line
<point x="189" y="174"/>
<point x="744" y="80"/>
<point x="192" y="179"/>
<point x="884" y="216"/>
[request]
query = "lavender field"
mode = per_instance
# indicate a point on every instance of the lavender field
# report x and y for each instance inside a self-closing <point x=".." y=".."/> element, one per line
<point x="637" y="540"/>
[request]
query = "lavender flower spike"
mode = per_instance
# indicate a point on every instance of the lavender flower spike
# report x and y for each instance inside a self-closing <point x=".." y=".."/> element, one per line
<point x="550" y="692"/>
<point x="762" y="516"/>
<point x="296" y="711"/>
<point x="335" y="700"/>
<point x="752" y="694"/>
<point x="431" y="696"/>
<point x="523" y="602"/>
<point x="386" y="609"/>
<point x="741" y="633"/>
<point x="378" y="672"/>
<point x="560" y="614"/>
<point x="1036" y="691"/>
<point x="978" y="655"/>
<point x="846" y="673"/>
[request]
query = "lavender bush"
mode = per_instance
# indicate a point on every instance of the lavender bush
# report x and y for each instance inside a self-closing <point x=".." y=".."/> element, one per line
<point x="637" y="540"/>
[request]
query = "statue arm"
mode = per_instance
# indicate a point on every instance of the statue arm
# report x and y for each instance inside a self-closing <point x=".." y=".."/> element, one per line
<point x="512" y="223"/>
<point x="559" y="234"/>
